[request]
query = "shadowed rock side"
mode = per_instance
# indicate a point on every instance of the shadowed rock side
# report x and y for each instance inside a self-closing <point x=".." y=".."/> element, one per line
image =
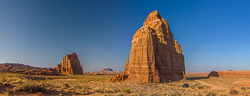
<point x="228" y="73"/>
<point x="155" y="56"/>
<point x="70" y="65"/>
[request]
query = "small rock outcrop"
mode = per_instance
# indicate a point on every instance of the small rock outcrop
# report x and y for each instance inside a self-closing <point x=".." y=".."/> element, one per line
<point x="118" y="78"/>
<point x="106" y="70"/>
<point x="70" y="65"/>
<point x="155" y="56"/>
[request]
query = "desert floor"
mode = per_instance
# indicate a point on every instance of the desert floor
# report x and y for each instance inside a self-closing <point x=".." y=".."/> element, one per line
<point x="37" y="85"/>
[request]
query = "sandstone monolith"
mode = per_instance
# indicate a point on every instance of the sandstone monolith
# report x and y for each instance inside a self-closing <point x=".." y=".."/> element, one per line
<point x="70" y="65"/>
<point x="155" y="56"/>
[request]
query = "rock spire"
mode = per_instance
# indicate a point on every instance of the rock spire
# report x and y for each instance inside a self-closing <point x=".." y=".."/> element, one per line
<point x="155" y="56"/>
<point x="70" y="65"/>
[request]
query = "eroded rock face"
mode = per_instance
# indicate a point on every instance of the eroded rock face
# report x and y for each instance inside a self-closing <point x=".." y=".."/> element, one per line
<point x="70" y="65"/>
<point x="118" y="78"/>
<point x="155" y="56"/>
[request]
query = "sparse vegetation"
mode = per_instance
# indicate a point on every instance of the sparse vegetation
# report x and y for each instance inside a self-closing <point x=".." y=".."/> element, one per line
<point x="119" y="94"/>
<point x="243" y="88"/>
<point x="211" y="94"/>
<point x="9" y="92"/>
<point x="89" y="84"/>
<point x="29" y="87"/>
<point x="127" y="90"/>
<point x="65" y="85"/>
<point x="233" y="92"/>
<point x="61" y="94"/>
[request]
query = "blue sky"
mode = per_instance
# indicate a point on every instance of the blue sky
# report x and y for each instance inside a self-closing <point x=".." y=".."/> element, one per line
<point x="213" y="34"/>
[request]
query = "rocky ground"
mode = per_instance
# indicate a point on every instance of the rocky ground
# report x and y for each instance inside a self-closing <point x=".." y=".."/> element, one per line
<point x="68" y="85"/>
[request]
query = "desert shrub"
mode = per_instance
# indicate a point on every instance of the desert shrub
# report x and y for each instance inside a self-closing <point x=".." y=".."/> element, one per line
<point x="248" y="91"/>
<point x="106" y="95"/>
<point x="176" y="93"/>
<point x="68" y="91"/>
<point x="200" y="87"/>
<point x="243" y="88"/>
<point x="126" y="90"/>
<point x="39" y="93"/>
<point x="86" y="87"/>
<point x="78" y="87"/>
<point x="223" y="95"/>
<point x="152" y="94"/>
<point x="66" y="85"/>
<point x="107" y="91"/>
<point x="233" y="92"/>
<point x="61" y="94"/>
<point x="193" y="87"/>
<point x="248" y="87"/>
<point x="119" y="94"/>
<point x="116" y="90"/>
<point x="9" y="92"/>
<point x="211" y="94"/>
<point x="5" y="84"/>
<point x="29" y="87"/>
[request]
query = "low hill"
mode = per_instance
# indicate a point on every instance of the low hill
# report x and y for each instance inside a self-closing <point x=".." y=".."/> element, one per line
<point x="106" y="70"/>
<point x="17" y="67"/>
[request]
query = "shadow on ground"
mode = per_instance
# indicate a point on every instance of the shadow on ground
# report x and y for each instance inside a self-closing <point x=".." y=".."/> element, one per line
<point x="197" y="78"/>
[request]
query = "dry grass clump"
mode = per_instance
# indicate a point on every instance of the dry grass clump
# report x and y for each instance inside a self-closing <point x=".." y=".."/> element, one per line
<point x="96" y="84"/>
<point x="211" y="94"/>
<point x="66" y="86"/>
<point x="61" y="94"/>
<point x="119" y="94"/>
<point x="233" y="92"/>
<point x="9" y="92"/>
<point x="29" y="87"/>
<point x="243" y="88"/>
<point x="127" y="90"/>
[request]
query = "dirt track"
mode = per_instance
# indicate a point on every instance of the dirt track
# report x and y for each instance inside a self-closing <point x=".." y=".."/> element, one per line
<point x="213" y="87"/>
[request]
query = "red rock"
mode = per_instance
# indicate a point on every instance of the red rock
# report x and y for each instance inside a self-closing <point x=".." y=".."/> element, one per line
<point x="155" y="56"/>
<point x="118" y="78"/>
<point x="70" y="65"/>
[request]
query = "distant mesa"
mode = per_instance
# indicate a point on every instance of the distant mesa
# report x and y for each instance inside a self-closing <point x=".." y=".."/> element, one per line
<point x="106" y="70"/>
<point x="70" y="65"/>
<point x="155" y="56"/>
<point x="15" y="67"/>
<point x="228" y="73"/>
<point x="25" y="69"/>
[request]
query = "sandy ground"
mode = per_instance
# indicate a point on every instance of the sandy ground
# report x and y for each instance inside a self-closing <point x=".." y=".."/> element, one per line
<point x="213" y="87"/>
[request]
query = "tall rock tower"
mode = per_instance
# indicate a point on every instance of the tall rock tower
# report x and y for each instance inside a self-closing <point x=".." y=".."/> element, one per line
<point x="155" y="56"/>
<point x="70" y="65"/>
